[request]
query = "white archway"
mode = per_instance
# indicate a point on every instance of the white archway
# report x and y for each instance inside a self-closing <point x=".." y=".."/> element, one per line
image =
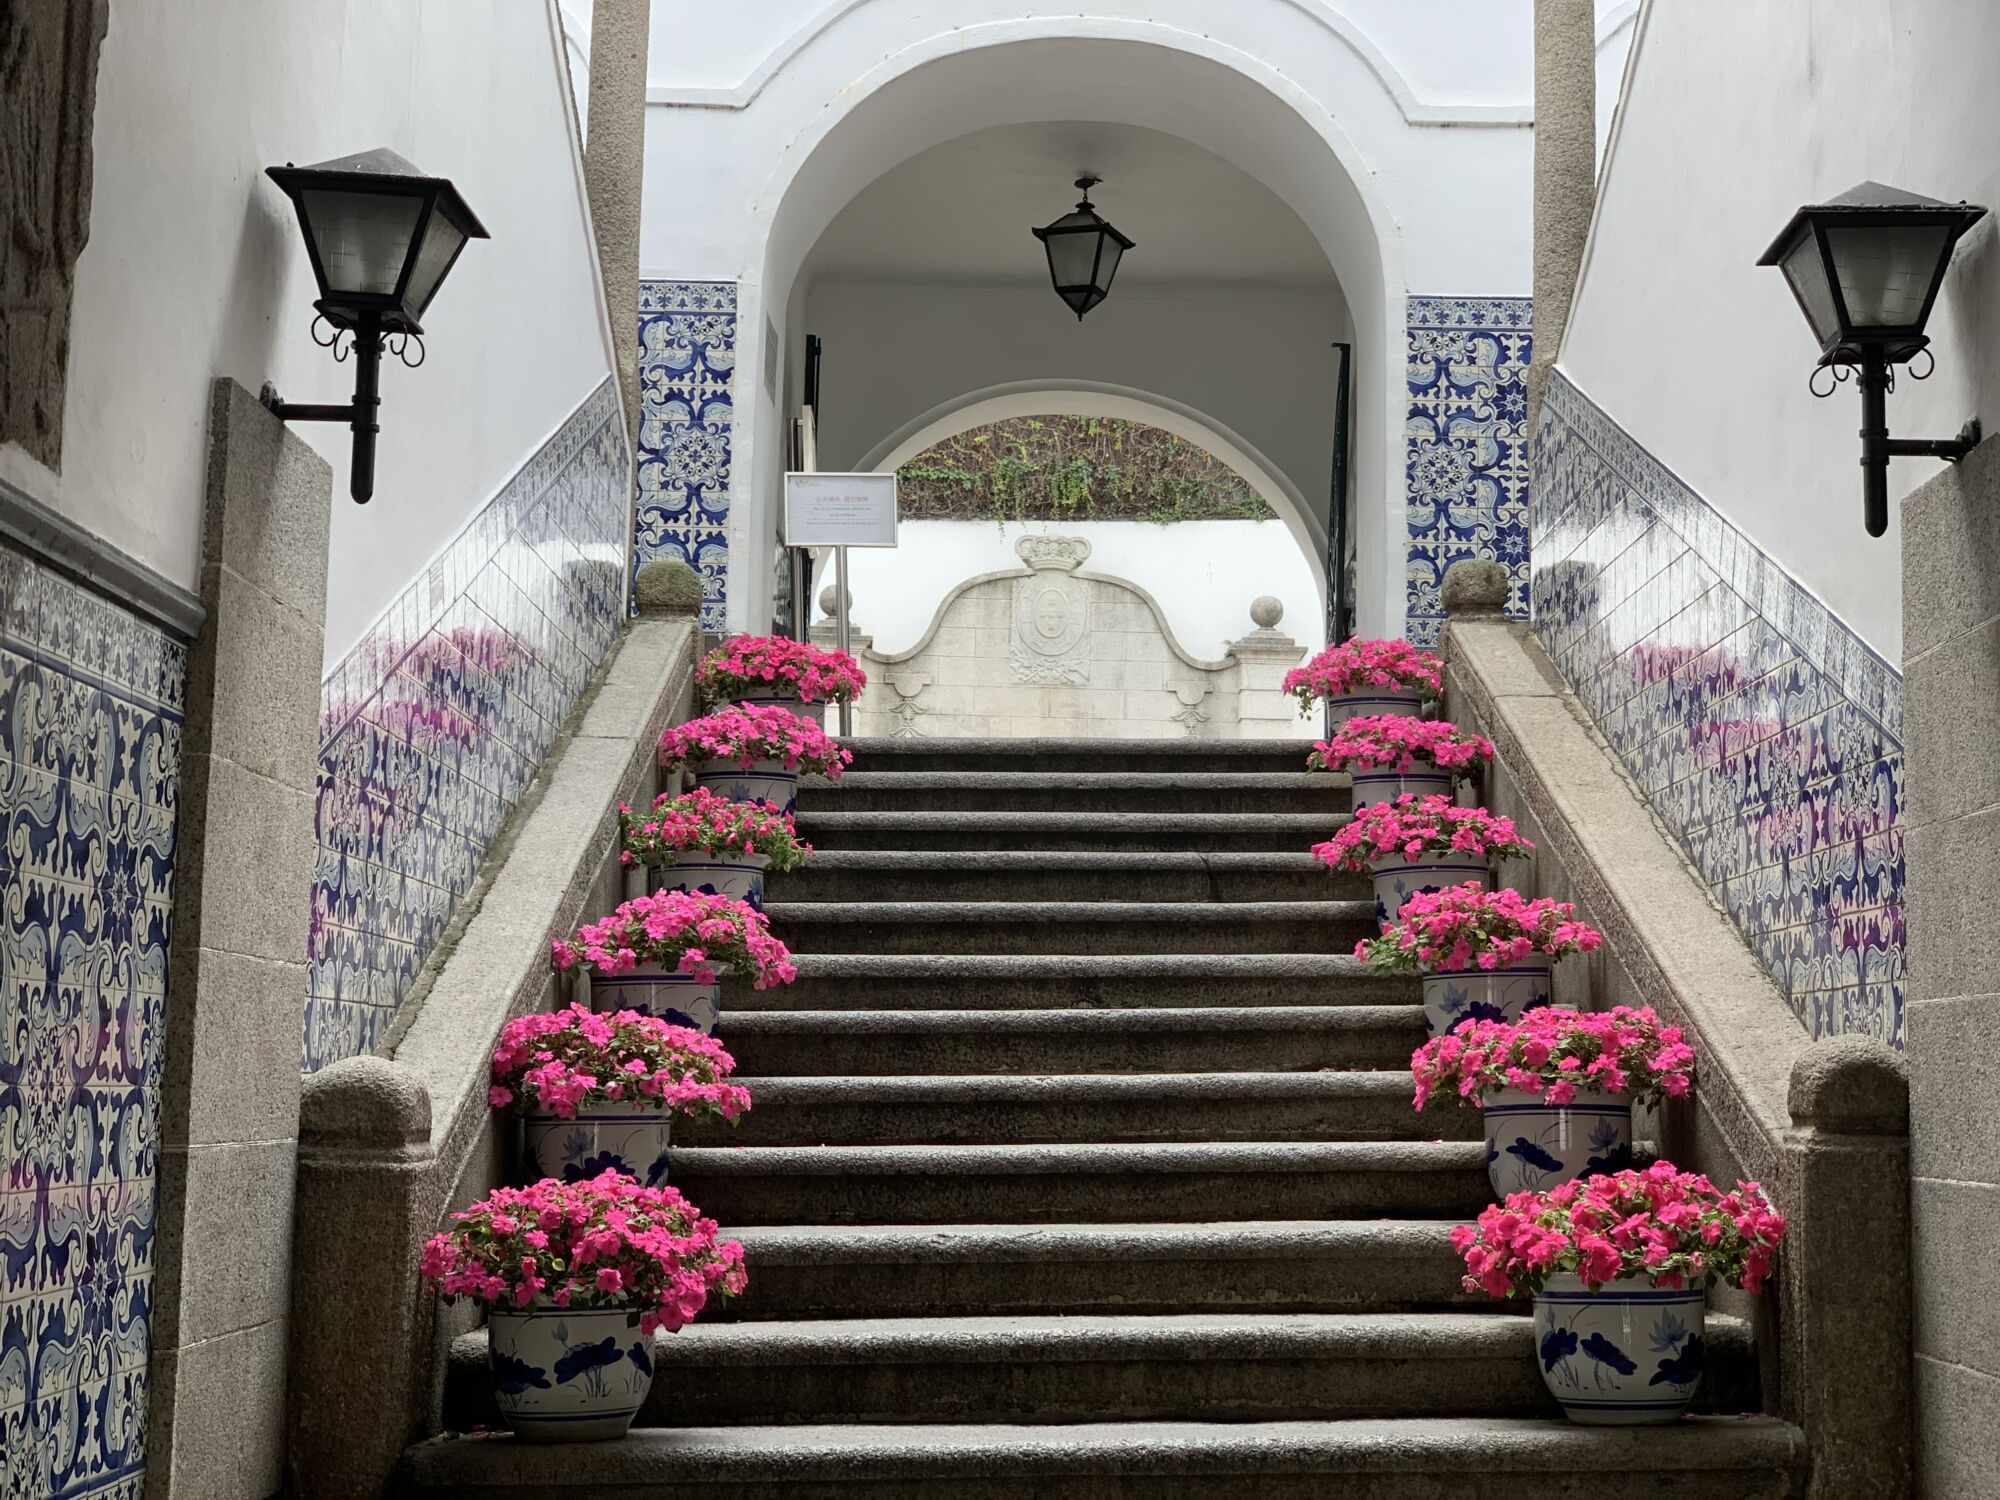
<point x="1073" y="399"/>
<point x="1141" y="72"/>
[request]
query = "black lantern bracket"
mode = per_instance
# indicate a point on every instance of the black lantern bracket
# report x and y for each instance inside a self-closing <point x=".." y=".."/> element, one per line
<point x="382" y="237"/>
<point x="1866" y="268"/>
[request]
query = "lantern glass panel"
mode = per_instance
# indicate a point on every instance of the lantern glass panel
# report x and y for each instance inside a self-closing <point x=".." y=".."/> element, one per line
<point x="1107" y="264"/>
<point x="442" y="242"/>
<point x="363" y="238"/>
<point x="1805" y="269"/>
<point x="1886" y="271"/>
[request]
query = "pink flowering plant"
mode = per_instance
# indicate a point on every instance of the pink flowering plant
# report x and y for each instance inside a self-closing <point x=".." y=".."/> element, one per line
<point x="1397" y="742"/>
<point x="1464" y="927"/>
<point x="748" y="735"/>
<point x="699" y="821"/>
<point x="688" y="932"/>
<point x="1675" y="1228"/>
<point x="770" y="666"/>
<point x="1555" y="1054"/>
<point x="604" y="1242"/>
<point x="1413" y="827"/>
<point x="1359" y="666"/>
<point x="558" y="1062"/>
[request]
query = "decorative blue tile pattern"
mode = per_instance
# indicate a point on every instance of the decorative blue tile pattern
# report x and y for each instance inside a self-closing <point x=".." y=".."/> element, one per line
<point x="90" y="750"/>
<point x="1466" y="446"/>
<point x="687" y="373"/>
<point x="433" y="725"/>
<point x="1767" y="734"/>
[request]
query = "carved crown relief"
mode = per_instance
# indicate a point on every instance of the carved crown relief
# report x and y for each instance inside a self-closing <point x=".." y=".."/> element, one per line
<point x="1051" y="612"/>
<point x="48" y="95"/>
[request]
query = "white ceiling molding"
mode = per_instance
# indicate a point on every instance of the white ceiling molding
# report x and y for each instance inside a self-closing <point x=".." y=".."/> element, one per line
<point x="1415" y="111"/>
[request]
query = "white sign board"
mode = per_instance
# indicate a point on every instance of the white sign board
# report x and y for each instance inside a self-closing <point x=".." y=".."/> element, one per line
<point x="840" y="510"/>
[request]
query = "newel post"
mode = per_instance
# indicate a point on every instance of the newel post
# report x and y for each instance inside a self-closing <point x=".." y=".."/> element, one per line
<point x="1845" y="1313"/>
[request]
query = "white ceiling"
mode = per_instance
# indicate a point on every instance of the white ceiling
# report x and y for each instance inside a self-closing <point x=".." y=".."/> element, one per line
<point x="963" y="210"/>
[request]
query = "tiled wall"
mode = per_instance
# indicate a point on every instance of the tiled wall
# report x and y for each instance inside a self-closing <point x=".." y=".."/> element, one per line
<point x="433" y="725"/>
<point x="90" y="747"/>
<point x="687" y="371"/>
<point x="1767" y="734"/>
<point x="1466" y="446"/>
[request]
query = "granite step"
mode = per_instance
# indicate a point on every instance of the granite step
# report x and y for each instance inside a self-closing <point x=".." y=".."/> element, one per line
<point x="1148" y="927"/>
<point x="1074" y="875"/>
<point x="1078" y="830"/>
<point x="1213" y="1039"/>
<point x="1271" y="757"/>
<point x="1082" y="1184"/>
<point x="1027" y="981"/>
<point x="1406" y="1458"/>
<point x="1120" y="790"/>
<point x="874" y="1270"/>
<point x="1013" y="1108"/>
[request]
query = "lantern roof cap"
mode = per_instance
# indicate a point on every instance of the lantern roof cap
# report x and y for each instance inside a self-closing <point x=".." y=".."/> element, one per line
<point x="366" y="168"/>
<point x="1869" y="199"/>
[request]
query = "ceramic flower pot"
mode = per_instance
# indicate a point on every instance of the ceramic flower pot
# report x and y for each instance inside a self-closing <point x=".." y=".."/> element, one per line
<point x="760" y="781"/>
<point x="1627" y="1355"/>
<point x="738" y="875"/>
<point x="1454" y="995"/>
<point x="813" y="711"/>
<point x="1344" y="706"/>
<point x="627" y="1138"/>
<point x="1371" y="787"/>
<point x="1397" y="879"/>
<point x="1532" y="1146"/>
<point x="569" y="1377"/>
<point x="654" y="991"/>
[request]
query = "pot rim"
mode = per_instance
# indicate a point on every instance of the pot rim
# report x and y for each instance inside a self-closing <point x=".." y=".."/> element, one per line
<point x="1587" y="1101"/>
<point x="1540" y="963"/>
<point x="1567" y="1286"/>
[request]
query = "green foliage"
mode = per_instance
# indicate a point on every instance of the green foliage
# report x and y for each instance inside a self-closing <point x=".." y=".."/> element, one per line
<point x="1073" y="469"/>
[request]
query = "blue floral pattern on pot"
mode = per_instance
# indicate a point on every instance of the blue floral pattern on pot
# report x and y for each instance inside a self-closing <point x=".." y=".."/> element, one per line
<point x="562" y="1376"/>
<point x="706" y="874"/>
<point x="1532" y="1145"/>
<point x="1345" y="706"/>
<point x="760" y="781"/>
<point x="1371" y="787"/>
<point x="631" y="1139"/>
<point x="1626" y="1355"/>
<point x="1396" y="881"/>
<point x="651" y="990"/>
<point x="1452" y="996"/>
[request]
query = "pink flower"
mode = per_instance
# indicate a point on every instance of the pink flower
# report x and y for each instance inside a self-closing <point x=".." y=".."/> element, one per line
<point x="1557" y="1053"/>
<point x="1414" y="826"/>
<point x="1356" y="665"/>
<point x="1398" y="743"/>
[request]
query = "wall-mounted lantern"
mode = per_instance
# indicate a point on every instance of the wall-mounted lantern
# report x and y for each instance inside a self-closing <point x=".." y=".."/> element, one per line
<point x="382" y="238"/>
<point x="1084" y="252"/>
<point x="1866" y="269"/>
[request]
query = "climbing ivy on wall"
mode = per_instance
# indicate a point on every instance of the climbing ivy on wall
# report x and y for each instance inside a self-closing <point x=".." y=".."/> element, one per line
<point x="1073" y="469"/>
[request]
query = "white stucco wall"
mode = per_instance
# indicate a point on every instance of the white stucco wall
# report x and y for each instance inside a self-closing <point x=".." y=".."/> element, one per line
<point x="1736" y="115"/>
<point x="1202" y="574"/>
<point x="195" y="268"/>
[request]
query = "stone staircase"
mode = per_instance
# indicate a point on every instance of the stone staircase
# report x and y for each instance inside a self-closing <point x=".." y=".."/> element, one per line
<point x="1082" y="1165"/>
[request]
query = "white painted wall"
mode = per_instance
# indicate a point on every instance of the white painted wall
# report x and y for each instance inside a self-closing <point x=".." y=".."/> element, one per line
<point x="195" y="268"/>
<point x="1255" y="361"/>
<point x="1736" y="115"/>
<point x="1203" y="575"/>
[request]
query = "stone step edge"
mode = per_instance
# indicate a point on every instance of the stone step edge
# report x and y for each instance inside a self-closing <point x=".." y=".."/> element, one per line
<point x="1095" y="1157"/>
<point x="1088" y="965"/>
<point x="1300" y="780"/>
<point x="1148" y="861"/>
<point x="1098" y="1021"/>
<point x="1236" y="1239"/>
<point x="940" y="1088"/>
<point x="1469" y="1446"/>
<point x="1055" y="1339"/>
<point x="1103" y="913"/>
<point x="1002" y="819"/>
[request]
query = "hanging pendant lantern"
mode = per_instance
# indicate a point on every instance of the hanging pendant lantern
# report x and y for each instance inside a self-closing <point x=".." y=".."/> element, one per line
<point x="1084" y="252"/>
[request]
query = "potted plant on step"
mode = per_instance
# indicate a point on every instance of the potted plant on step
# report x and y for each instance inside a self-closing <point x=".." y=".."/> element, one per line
<point x="1367" y="677"/>
<point x="753" y="754"/>
<point x="598" y="1093"/>
<point x="1619" y="1267"/>
<point x="663" y="955"/>
<point x="698" y="841"/>
<point x="763" y="671"/>
<point x="1484" y="955"/>
<point x="576" y="1278"/>
<point x="1386" y="755"/>
<point x="1420" y="844"/>
<point x="1555" y="1088"/>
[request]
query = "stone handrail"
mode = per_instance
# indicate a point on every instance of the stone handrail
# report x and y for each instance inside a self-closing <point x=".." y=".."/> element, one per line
<point x="389" y="1146"/>
<point x="1823" y="1125"/>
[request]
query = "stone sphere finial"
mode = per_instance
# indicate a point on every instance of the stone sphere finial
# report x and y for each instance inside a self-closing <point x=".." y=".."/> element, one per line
<point x="1476" y="586"/>
<point x="1266" y="610"/>
<point x="666" y="587"/>
<point x="829" y="601"/>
